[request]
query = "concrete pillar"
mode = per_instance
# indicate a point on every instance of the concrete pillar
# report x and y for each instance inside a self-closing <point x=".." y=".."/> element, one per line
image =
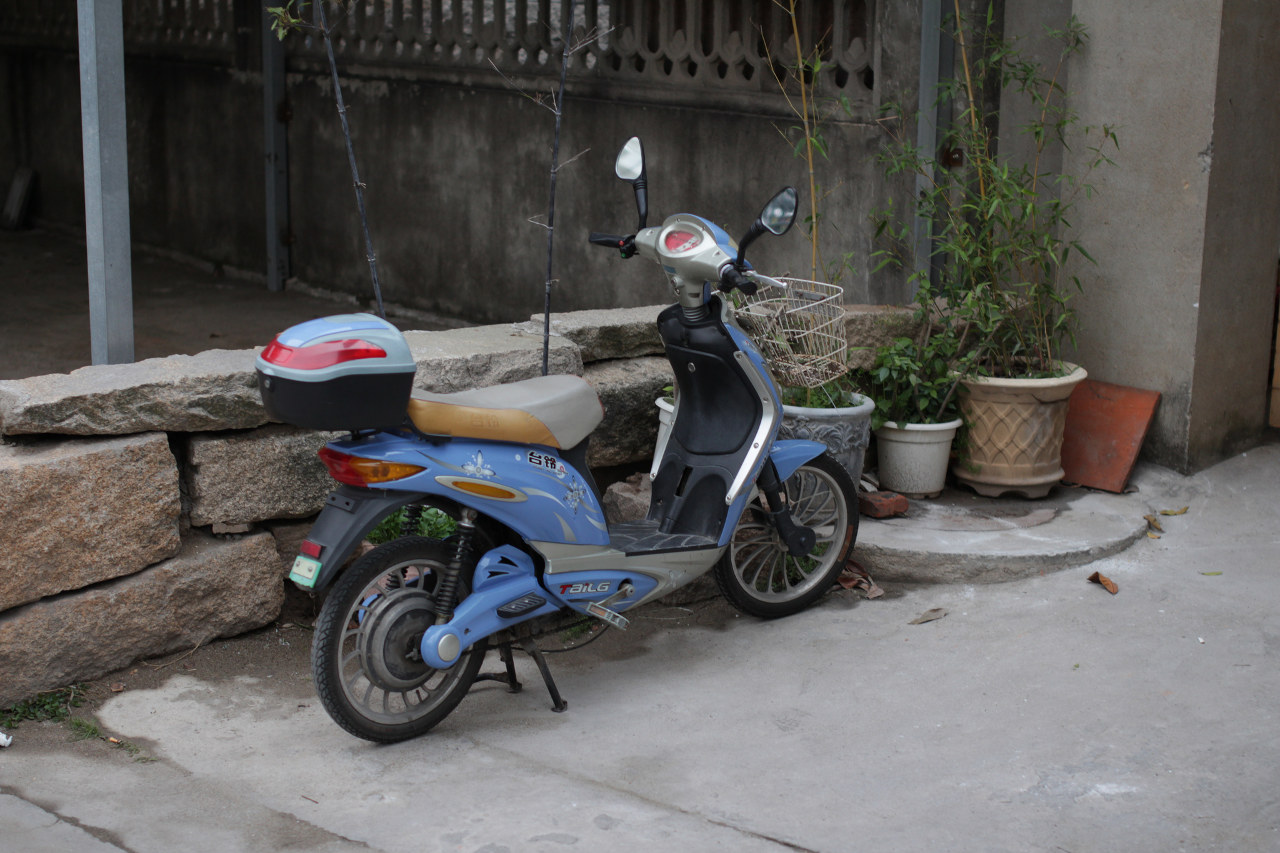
<point x="1185" y="228"/>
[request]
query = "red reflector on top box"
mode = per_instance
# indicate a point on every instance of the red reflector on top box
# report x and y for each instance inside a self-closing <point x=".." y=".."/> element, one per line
<point x="320" y="355"/>
<point x="345" y="372"/>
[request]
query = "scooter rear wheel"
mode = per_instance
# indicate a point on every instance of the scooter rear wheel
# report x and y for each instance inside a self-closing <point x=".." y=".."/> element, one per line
<point x="758" y="575"/>
<point x="365" y="660"/>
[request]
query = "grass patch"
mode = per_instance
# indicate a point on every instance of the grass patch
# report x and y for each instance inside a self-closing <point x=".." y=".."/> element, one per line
<point x="52" y="705"/>
<point x="82" y="729"/>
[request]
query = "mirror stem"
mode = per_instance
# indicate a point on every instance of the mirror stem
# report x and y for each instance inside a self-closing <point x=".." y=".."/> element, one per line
<point x="642" y="201"/>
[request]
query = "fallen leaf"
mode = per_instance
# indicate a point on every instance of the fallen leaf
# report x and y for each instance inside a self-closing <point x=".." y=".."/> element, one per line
<point x="1151" y="535"/>
<point x="855" y="576"/>
<point x="1153" y="523"/>
<point x="1174" y="511"/>
<point x="1210" y="574"/>
<point x="929" y="616"/>
<point x="117" y="687"/>
<point x="1107" y="583"/>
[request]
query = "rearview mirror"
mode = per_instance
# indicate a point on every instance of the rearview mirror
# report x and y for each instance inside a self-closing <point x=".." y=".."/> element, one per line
<point x="780" y="213"/>
<point x="630" y="167"/>
<point x="776" y="218"/>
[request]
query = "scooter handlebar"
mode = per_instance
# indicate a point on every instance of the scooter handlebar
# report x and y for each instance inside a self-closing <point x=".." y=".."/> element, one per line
<point x="731" y="277"/>
<point x="626" y="245"/>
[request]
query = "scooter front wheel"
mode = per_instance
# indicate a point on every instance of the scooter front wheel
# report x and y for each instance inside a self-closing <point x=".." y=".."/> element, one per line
<point x="365" y="656"/>
<point x="757" y="573"/>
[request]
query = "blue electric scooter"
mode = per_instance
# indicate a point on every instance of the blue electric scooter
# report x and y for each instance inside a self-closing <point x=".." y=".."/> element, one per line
<point x="402" y="632"/>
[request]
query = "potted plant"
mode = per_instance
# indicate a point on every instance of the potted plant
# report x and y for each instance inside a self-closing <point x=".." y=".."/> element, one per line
<point x="833" y="413"/>
<point x="915" y="417"/>
<point x="1002" y="253"/>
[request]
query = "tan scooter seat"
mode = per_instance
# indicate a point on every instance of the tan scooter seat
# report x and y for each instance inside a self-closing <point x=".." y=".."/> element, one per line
<point x="554" y="411"/>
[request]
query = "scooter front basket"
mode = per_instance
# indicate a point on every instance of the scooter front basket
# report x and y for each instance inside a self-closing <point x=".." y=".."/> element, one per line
<point x="799" y="330"/>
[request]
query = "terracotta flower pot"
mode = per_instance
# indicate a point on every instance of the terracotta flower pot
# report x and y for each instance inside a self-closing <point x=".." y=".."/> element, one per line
<point x="1015" y="426"/>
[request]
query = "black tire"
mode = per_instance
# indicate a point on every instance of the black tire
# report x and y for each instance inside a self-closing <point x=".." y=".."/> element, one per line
<point x="368" y="672"/>
<point x="757" y="574"/>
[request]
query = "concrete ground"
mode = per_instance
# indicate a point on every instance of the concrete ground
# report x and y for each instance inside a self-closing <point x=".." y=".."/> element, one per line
<point x="1040" y="713"/>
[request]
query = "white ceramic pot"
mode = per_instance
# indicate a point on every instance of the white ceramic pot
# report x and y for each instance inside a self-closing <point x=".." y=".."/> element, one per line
<point x="913" y="458"/>
<point x="666" y="414"/>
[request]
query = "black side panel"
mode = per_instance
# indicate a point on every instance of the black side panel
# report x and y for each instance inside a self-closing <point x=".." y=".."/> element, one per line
<point x="719" y="411"/>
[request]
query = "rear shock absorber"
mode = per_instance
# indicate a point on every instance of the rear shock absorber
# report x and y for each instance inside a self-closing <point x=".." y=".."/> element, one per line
<point x="447" y="588"/>
<point x="411" y="521"/>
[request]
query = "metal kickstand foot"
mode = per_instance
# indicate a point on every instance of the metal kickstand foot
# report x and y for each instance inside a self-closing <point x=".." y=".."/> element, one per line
<point x="531" y="648"/>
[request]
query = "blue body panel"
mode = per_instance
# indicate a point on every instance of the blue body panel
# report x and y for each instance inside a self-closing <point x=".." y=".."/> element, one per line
<point x="544" y="498"/>
<point x="506" y="575"/>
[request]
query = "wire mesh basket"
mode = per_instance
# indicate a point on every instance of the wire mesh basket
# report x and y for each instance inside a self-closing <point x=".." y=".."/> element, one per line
<point x="799" y="329"/>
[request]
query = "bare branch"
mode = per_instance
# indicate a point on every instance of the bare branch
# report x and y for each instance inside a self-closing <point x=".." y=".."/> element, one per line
<point x="577" y="156"/>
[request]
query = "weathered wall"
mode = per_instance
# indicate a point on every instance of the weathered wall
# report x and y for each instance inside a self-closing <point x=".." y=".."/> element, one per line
<point x="1241" y="236"/>
<point x="455" y="159"/>
<point x="1184" y="228"/>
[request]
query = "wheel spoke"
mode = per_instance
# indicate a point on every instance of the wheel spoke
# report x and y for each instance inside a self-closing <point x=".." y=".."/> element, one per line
<point x="761" y="576"/>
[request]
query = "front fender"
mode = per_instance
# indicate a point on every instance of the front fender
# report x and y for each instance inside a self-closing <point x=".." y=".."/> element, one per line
<point x="790" y="454"/>
<point x="348" y="515"/>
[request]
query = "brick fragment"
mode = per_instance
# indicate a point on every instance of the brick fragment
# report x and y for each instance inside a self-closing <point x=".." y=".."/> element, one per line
<point x="882" y="504"/>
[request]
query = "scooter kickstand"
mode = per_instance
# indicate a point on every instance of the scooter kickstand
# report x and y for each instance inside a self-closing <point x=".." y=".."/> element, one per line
<point x="508" y="678"/>
<point x="531" y="648"/>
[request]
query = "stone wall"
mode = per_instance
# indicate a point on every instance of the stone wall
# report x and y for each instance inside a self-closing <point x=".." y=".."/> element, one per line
<point x="143" y="502"/>
<point x="151" y="507"/>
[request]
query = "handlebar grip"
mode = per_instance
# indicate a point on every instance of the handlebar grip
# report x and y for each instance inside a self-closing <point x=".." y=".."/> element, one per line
<point x="625" y="245"/>
<point x="731" y="278"/>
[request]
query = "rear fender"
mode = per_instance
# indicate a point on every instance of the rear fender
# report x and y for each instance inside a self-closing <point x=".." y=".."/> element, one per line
<point x="348" y="515"/>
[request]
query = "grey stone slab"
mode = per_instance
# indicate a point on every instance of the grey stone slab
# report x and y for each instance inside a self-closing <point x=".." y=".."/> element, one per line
<point x="627" y="389"/>
<point x="960" y="537"/>
<point x="79" y="511"/>
<point x="459" y="359"/>
<point x="216" y="389"/>
<point x="869" y="327"/>
<point x="213" y="588"/>
<point x="606" y="333"/>
<point x="253" y="476"/>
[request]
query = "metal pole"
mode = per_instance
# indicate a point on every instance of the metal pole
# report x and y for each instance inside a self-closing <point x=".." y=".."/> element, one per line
<point x="276" y="147"/>
<point x="106" y="180"/>
<point x="927" y="126"/>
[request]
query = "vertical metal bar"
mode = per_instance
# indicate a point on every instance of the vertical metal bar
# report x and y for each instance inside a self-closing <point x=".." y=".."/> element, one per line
<point x="927" y="126"/>
<point x="276" y="150"/>
<point x="106" y="180"/>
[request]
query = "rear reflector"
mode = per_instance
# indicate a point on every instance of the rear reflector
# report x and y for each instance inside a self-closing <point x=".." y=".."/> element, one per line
<point x="311" y="549"/>
<point x="317" y="356"/>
